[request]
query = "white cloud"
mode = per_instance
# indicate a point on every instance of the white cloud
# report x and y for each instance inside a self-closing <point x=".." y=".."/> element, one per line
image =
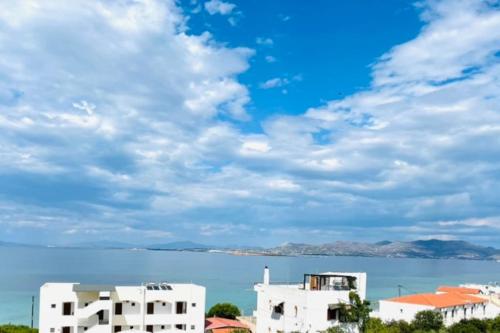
<point x="219" y="7"/>
<point x="270" y="59"/>
<point x="131" y="128"/>
<point x="264" y="41"/>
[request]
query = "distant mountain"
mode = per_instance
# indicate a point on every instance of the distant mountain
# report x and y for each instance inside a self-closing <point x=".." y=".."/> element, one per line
<point x="11" y="244"/>
<point x="104" y="244"/>
<point x="416" y="249"/>
<point x="186" y="245"/>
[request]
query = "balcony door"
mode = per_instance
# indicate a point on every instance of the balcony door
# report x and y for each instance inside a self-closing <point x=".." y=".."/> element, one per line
<point x="151" y="308"/>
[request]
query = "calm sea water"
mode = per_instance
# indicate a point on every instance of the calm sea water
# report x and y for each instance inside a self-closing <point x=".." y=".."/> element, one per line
<point x="227" y="278"/>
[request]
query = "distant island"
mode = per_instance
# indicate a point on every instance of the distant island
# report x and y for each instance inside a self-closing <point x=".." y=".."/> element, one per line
<point x="431" y="249"/>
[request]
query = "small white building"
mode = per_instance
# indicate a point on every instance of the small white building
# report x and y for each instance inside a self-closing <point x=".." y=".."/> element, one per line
<point x="157" y="308"/>
<point x="309" y="306"/>
<point x="454" y="303"/>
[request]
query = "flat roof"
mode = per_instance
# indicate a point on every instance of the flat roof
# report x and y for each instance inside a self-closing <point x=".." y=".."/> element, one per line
<point x="92" y="287"/>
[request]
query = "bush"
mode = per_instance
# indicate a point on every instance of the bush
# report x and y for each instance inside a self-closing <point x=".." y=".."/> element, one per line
<point x="464" y="326"/>
<point x="224" y="310"/>
<point x="17" y="329"/>
<point x="427" y="320"/>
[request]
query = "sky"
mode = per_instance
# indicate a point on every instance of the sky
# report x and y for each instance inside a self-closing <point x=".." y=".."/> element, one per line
<point x="249" y="122"/>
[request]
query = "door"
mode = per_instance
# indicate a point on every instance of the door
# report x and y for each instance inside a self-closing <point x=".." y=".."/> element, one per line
<point x="67" y="309"/>
<point x="149" y="328"/>
<point x="151" y="308"/>
<point x="66" y="329"/>
<point x="118" y="308"/>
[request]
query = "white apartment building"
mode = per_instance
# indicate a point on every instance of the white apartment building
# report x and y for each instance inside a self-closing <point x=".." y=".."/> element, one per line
<point x="154" y="307"/>
<point x="454" y="303"/>
<point x="309" y="306"/>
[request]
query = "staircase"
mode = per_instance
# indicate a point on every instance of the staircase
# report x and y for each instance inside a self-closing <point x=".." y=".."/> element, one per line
<point x="92" y="309"/>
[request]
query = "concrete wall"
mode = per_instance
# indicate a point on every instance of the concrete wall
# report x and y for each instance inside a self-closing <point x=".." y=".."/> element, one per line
<point x="133" y="317"/>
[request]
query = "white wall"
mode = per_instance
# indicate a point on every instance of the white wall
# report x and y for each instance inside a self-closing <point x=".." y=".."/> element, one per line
<point x="132" y="316"/>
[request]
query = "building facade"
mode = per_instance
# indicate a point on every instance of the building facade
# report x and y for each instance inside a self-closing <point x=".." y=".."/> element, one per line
<point x="156" y="308"/>
<point x="309" y="306"/>
<point x="454" y="304"/>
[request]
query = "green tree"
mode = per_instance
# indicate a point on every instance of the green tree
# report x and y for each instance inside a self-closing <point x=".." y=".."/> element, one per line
<point x="465" y="326"/>
<point x="224" y="310"/>
<point x="400" y="326"/>
<point x="356" y="311"/>
<point x="427" y="320"/>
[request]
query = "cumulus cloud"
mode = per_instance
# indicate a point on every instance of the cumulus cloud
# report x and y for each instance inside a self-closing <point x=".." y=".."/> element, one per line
<point x="135" y="125"/>
<point x="266" y="41"/>
<point x="219" y="7"/>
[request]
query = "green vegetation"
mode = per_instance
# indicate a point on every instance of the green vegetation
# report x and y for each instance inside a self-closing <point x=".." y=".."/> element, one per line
<point x="224" y="310"/>
<point x="427" y="322"/>
<point x="356" y="311"/>
<point x="17" y="329"/>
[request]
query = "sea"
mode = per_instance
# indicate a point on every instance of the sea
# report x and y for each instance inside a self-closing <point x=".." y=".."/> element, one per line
<point x="227" y="278"/>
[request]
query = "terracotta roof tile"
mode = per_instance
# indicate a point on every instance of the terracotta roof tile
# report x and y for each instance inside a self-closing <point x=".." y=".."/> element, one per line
<point x="443" y="300"/>
<point x="215" y="323"/>
<point x="459" y="290"/>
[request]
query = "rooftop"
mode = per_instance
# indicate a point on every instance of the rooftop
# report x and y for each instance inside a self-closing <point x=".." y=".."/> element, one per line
<point x="444" y="300"/>
<point x="459" y="290"/>
<point x="216" y="323"/>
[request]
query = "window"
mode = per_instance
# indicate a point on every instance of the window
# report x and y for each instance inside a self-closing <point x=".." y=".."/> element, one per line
<point x="131" y="327"/>
<point x="164" y="304"/>
<point x="52" y="330"/>
<point x="151" y="308"/>
<point x="192" y="327"/>
<point x="67" y="309"/>
<point x="279" y="309"/>
<point x="86" y="304"/>
<point x="193" y="305"/>
<point x="66" y="329"/>
<point x="149" y="328"/>
<point x="133" y="304"/>
<point x="85" y="328"/>
<point x="118" y="308"/>
<point x="53" y="306"/>
<point x="180" y="327"/>
<point x="117" y="328"/>
<point x="180" y="307"/>
<point x="296" y="309"/>
<point x="162" y="327"/>
<point x="333" y="313"/>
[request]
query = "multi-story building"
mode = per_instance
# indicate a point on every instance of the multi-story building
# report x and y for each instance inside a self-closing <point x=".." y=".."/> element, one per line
<point x="156" y="308"/>
<point x="309" y="306"/>
<point x="454" y="303"/>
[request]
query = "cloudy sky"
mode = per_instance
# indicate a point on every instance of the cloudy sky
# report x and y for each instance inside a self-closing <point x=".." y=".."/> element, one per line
<point x="248" y="122"/>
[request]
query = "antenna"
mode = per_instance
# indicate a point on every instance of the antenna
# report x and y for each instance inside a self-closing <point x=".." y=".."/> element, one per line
<point x="32" y="309"/>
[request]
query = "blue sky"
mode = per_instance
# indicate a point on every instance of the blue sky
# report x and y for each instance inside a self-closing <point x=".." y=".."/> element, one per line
<point x="245" y="122"/>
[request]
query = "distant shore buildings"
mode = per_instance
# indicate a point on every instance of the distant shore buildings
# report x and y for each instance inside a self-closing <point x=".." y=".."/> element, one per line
<point x="154" y="308"/>
<point x="309" y="306"/>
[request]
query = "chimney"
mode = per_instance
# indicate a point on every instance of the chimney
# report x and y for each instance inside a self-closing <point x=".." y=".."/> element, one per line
<point x="266" y="275"/>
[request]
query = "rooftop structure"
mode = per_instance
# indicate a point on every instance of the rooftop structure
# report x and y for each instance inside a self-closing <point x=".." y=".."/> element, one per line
<point x="308" y="306"/>
<point x="454" y="303"/>
<point x="223" y="325"/>
<point x="152" y="307"/>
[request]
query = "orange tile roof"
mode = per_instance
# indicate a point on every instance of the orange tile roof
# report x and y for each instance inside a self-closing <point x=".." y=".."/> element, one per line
<point x="444" y="300"/>
<point x="459" y="290"/>
<point x="217" y="323"/>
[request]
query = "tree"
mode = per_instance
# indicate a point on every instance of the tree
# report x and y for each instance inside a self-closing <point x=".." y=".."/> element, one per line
<point x="428" y="320"/>
<point x="465" y="326"/>
<point x="356" y="311"/>
<point x="224" y="310"/>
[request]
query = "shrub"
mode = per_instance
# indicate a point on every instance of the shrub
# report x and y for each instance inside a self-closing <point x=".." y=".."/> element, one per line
<point x="224" y="310"/>
<point x="17" y="329"/>
<point x="427" y="320"/>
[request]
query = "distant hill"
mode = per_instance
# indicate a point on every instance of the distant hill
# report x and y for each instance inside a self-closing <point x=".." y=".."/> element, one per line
<point x="416" y="249"/>
<point x="186" y="245"/>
